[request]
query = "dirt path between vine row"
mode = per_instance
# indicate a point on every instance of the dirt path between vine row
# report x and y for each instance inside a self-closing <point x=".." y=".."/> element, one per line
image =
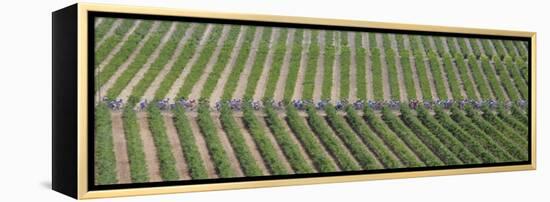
<point x="231" y="156"/>
<point x="303" y="65"/>
<point x="428" y="70"/>
<point x="120" y="149"/>
<point x="125" y="93"/>
<point x="296" y="141"/>
<point x="470" y="49"/>
<point x="117" y="48"/>
<point x="441" y="69"/>
<point x="175" y="146"/>
<point x="445" y="46"/>
<point x="199" y="86"/>
<point x="493" y="71"/>
<point x="340" y="142"/>
<point x="203" y="149"/>
<point x="262" y="81"/>
<point x="492" y="46"/>
<point x="98" y="21"/>
<point x="122" y="68"/>
<point x="320" y="73"/>
<point x="478" y="42"/>
<point x="173" y="92"/>
<point x="471" y="77"/>
<point x="353" y="68"/>
<point x="384" y="66"/>
<point x="485" y="51"/>
<point x="150" y="92"/>
<point x="455" y="69"/>
<point x="335" y="91"/>
<point x="109" y="33"/>
<point x="149" y="148"/>
<point x="515" y="49"/>
<point x="368" y="65"/>
<point x="412" y="62"/>
<point x="454" y="43"/>
<point x="252" y="147"/>
<point x="491" y="93"/>
<point x="399" y="139"/>
<point x="400" y="78"/>
<point x="243" y="77"/>
<point x="219" y="89"/>
<point x="375" y="135"/>
<point x="282" y="158"/>
<point x="323" y="147"/>
<point x="279" y="90"/>
<point x="458" y="78"/>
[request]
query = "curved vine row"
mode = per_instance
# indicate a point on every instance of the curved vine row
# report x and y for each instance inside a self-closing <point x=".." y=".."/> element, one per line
<point x="441" y="141"/>
<point x="359" y="151"/>
<point x="105" y="161"/>
<point x="400" y="149"/>
<point x="304" y="134"/>
<point x="197" y="170"/>
<point x="283" y="138"/>
<point x="263" y="143"/>
<point x="330" y="141"/>
<point x="236" y="138"/>
<point x="167" y="163"/>
<point x="215" y="147"/>
<point x="405" y="134"/>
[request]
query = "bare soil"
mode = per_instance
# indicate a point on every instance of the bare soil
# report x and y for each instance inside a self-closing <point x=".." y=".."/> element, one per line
<point x="297" y="143"/>
<point x="243" y="78"/>
<point x="98" y="21"/>
<point x="493" y="70"/>
<point x="461" y="84"/>
<point x="150" y="92"/>
<point x="471" y="77"/>
<point x="298" y="88"/>
<point x="197" y="87"/>
<point x="478" y="42"/>
<point x="228" y="148"/>
<point x="335" y="91"/>
<point x="175" y="146"/>
<point x="325" y="151"/>
<point x="149" y="148"/>
<point x="341" y="143"/>
<point x="117" y="48"/>
<point x="125" y="93"/>
<point x="252" y="147"/>
<point x="319" y="74"/>
<point x="441" y="69"/>
<point x="262" y="81"/>
<point x="384" y="67"/>
<point x="109" y="33"/>
<point x="400" y="79"/>
<point x="413" y="67"/>
<point x="203" y="149"/>
<point x="491" y="93"/>
<point x="120" y="70"/>
<point x="428" y="70"/>
<point x="279" y="90"/>
<point x="368" y="67"/>
<point x="278" y="149"/>
<point x="121" y="153"/>
<point x="198" y="51"/>
<point x="353" y="67"/>
<point x="218" y="90"/>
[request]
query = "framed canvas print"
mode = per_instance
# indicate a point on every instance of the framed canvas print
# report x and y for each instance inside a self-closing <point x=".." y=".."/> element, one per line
<point x="158" y="100"/>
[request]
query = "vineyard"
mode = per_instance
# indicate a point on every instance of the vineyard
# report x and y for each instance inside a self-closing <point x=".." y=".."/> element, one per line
<point x="183" y="101"/>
